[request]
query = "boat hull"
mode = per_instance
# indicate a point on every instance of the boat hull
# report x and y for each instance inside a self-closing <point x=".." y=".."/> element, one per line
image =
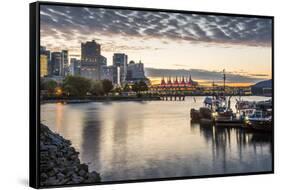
<point x="260" y="125"/>
<point x="229" y="123"/>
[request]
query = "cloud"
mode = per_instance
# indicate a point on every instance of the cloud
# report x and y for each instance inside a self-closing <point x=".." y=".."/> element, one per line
<point x="74" y="23"/>
<point x="200" y="74"/>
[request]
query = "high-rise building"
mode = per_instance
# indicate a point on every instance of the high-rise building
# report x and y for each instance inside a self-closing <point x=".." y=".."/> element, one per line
<point x="74" y="68"/>
<point x="107" y="72"/>
<point x="120" y="60"/>
<point x="44" y="51"/>
<point x="90" y="51"/>
<point x="43" y="65"/>
<point x="103" y="61"/>
<point x="135" y="71"/>
<point x="65" y="67"/>
<point x="91" y="60"/>
<point x="57" y="64"/>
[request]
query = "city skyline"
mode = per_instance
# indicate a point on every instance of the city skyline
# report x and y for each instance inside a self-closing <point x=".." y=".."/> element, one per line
<point x="240" y="45"/>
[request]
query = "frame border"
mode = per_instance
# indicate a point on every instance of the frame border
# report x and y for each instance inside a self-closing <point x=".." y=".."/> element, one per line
<point x="34" y="114"/>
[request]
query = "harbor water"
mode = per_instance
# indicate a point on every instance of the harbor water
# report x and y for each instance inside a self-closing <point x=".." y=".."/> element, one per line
<point x="155" y="139"/>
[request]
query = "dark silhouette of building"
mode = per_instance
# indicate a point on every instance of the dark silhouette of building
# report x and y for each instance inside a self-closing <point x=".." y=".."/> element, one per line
<point x="91" y="60"/>
<point x="56" y="62"/>
<point x="74" y="68"/>
<point x="65" y="67"/>
<point x="135" y="71"/>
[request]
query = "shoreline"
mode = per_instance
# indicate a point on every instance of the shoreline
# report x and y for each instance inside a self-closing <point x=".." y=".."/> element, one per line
<point x="98" y="99"/>
<point x="73" y="100"/>
<point x="59" y="162"/>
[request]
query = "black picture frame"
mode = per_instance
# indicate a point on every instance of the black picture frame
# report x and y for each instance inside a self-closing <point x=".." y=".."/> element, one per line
<point x="34" y="93"/>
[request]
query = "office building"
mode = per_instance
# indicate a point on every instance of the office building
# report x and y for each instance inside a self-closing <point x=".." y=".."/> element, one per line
<point x="135" y="71"/>
<point x="43" y="65"/>
<point x="56" y="62"/>
<point x="64" y="69"/>
<point x="74" y="68"/>
<point x="120" y="61"/>
<point x="90" y="60"/>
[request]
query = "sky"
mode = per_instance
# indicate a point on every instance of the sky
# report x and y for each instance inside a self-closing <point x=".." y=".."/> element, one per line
<point x="167" y="43"/>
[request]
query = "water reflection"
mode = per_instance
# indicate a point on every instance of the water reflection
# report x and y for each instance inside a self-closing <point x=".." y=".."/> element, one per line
<point x="130" y="140"/>
<point x="228" y="141"/>
<point x="91" y="139"/>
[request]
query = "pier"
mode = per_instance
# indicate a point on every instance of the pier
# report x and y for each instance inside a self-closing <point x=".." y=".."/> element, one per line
<point x="172" y="97"/>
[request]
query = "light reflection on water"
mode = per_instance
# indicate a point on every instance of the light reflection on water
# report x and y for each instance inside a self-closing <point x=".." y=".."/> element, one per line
<point x="141" y="140"/>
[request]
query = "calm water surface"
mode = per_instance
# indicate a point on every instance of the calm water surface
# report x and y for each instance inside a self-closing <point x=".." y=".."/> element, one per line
<point x="141" y="140"/>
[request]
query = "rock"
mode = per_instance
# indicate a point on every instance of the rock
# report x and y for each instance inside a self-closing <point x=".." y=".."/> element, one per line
<point x="82" y="172"/>
<point x="43" y="176"/>
<point x="77" y="179"/>
<point x="60" y="176"/>
<point x="84" y="167"/>
<point x="59" y="162"/>
<point x="94" y="176"/>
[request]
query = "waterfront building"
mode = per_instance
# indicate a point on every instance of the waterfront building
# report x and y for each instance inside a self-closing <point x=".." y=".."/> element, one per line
<point x="135" y="72"/>
<point x="108" y="72"/>
<point x="90" y="51"/>
<point x="89" y="70"/>
<point x="91" y="60"/>
<point x="64" y="70"/>
<point x="120" y="62"/>
<point x="44" y="51"/>
<point x="74" y="68"/>
<point x="102" y="61"/>
<point x="43" y="65"/>
<point x="56" y="62"/>
<point x="177" y="82"/>
<point x="104" y="70"/>
<point x="176" y="85"/>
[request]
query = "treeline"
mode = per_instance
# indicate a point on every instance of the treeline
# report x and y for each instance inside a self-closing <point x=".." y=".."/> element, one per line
<point x="80" y="86"/>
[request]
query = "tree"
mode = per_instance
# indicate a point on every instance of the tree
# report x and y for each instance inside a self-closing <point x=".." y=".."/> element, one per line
<point x="76" y="86"/>
<point x="107" y="86"/>
<point x="127" y="88"/>
<point x="96" y="88"/>
<point x="143" y="86"/>
<point x="139" y="86"/>
<point x="135" y="87"/>
<point x="50" y="86"/>
<point x="117" y="90"/>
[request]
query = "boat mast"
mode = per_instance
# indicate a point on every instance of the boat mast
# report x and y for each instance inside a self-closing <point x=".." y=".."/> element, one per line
<point x="224" y="77"/>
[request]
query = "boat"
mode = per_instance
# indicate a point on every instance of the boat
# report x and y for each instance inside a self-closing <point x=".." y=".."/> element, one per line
<point x="260" y="120"/>
<point x="264" y="105"/>
<point x="206" y="122"/>
<point x="201" y="114"/>
<point x="241" y="105"/>
<point x="260" y="105"/>
<point x="226" y="118"/>
<point x="229" y="122"/>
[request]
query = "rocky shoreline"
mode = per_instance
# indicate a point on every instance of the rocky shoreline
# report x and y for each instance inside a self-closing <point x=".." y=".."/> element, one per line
<point x="59" y="162"/>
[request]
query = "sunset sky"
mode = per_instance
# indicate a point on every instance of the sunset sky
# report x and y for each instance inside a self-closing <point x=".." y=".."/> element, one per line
<point x="177" y="43"/>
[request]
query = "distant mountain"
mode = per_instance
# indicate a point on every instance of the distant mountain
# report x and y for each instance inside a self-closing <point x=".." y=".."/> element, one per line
<point x="259" y="88"/>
